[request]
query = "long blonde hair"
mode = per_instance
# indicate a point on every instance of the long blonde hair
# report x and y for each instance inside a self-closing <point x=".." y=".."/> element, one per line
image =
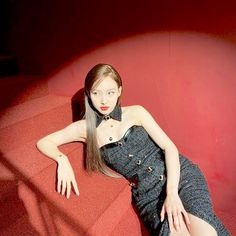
<point x="94" y="160"/>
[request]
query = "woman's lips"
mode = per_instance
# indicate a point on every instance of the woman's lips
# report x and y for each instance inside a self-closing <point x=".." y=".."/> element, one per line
<point x="104" y="108"/>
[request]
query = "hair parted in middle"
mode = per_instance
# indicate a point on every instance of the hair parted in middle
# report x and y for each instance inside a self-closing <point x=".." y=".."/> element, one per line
<point x="94" y="161"/>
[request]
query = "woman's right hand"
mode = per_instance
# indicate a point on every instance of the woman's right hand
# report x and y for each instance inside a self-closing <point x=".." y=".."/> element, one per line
<point x="65" y="177"/>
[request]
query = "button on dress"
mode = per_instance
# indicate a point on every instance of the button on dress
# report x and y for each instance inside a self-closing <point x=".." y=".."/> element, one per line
<point x="141" y="161"/>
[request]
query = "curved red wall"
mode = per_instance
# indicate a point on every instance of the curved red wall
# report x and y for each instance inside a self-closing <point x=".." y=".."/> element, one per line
<point x="187" y="81"/>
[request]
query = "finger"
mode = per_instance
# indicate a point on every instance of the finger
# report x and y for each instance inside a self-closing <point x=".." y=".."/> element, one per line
<point x="186" y="217"/>
<point x="162" y="213"/>
<point x="75" y="187"/>
<point x="59" y="185"/>
<point x="63" y="187"/>
<point x="170" y="220"/>
<point x="68" y="189"/>
<point x="181" y="221"/>
<point x="176" y="222"/>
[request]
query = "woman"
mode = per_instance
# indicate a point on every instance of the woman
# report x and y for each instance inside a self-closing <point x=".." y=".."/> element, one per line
<point x="169" y="191"/>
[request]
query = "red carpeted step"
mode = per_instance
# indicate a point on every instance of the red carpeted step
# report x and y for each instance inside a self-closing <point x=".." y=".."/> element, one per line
<point x="49" y="211"/>
<point x="29" y="161"/>
<point x="38" y="190"/>
<point x="21" y="150"/>
<point x="21" y="88"/>
<point x="21" y="226"/>
<point x="30" y="108"/>
<point x="16" y="135"/>
<point x="130" y="224"/>
<point x="106" y="223"/>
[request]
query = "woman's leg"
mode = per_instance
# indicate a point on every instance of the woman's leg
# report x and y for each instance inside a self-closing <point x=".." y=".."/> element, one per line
<point x="199" y="227"/>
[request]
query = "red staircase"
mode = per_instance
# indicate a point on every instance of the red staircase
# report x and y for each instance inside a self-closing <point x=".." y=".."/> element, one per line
<point x="30" y="204"/>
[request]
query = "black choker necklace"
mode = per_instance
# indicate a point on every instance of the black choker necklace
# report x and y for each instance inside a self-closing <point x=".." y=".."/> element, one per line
<point x="115" y="114"/>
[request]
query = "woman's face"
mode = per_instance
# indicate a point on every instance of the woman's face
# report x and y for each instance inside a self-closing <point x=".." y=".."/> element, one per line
<point x="104" y="95"/>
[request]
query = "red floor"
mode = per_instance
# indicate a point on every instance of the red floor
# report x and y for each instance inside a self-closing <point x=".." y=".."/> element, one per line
<point x="194" y="105"/>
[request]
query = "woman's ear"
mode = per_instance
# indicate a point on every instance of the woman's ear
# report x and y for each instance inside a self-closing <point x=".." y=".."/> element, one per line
<point x="120" y="90"/>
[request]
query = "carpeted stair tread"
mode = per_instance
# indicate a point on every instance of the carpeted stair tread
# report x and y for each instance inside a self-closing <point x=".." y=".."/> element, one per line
<point x="130" y="224"/>
<point x="21" y="227"/>
<point x="106" y="223"/>
<point x="16" y="135"/>
<point x="30" y="109"/>
<point x="78" y="213"/>
<point x="29" y="161"/>
<point x="36" y="184"/>
<point x="21" y="88"/>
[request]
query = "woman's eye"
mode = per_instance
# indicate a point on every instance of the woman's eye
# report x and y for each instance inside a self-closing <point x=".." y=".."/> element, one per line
<point x="111" y="93"/>
<point x="95" y="93"/>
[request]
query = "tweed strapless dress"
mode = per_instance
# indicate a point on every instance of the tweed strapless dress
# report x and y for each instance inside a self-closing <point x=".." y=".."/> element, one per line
<point x="141" y="161"/>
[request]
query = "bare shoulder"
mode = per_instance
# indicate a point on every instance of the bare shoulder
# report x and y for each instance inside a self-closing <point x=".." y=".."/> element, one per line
<point x="146" y="120"/>
<point x="132" y="108"/>
<point x="134" y="112"/>
<point x="80" y="123"/>
<point x="137" y="109"/>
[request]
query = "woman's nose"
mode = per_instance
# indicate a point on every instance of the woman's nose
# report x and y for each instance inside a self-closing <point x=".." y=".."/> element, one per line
<point x="103" y="99"/>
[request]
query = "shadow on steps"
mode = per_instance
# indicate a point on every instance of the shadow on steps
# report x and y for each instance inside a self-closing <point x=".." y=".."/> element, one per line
<point x="14" y="216"/>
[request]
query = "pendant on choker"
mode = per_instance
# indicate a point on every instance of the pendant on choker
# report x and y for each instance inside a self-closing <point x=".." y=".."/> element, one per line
<point x="106" y="117"/>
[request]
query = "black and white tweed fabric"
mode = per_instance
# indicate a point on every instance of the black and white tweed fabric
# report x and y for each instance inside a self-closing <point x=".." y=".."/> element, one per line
<point x="140" y="160"/>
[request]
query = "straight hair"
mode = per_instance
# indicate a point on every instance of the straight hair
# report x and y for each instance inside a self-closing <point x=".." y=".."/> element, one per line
<point x="94" y="161"/>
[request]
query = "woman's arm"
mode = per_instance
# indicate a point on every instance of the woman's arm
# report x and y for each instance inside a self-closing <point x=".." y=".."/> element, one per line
<point x="73" y="132"/>
<point x="173" y="205"/>
<point x="48" y="145"/>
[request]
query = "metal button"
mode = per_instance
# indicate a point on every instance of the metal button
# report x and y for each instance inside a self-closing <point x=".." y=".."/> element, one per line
<point x="133" y="181"/>
<point x="132" y="184"/>
<point x="131" y="155"/>
<point x="120" y="143"/>
<point x="106" y="117"/>
<point x="139" y="162"/>
<point x="161" y="177"/>
<point x="149" y="169"/>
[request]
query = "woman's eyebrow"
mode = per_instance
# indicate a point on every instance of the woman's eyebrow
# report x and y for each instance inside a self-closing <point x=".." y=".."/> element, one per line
<point x="105" y="90"/>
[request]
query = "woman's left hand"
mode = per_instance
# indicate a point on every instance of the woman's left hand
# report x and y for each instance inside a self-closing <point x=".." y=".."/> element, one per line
<point x="174" y="209"/>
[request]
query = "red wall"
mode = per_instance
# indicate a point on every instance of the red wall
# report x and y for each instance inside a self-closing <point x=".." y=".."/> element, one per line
<point x="48" y="33"/>
<point x="178" y="60"/>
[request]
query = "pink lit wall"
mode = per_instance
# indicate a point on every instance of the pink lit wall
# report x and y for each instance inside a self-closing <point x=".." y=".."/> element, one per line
<point x="187" y="81"/>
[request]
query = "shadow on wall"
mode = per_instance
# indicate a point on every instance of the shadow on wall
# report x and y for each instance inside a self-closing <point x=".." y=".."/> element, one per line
<point x="45" y="34"/>
<point x="15" y="219"/>
<point x="77" y="104"/>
